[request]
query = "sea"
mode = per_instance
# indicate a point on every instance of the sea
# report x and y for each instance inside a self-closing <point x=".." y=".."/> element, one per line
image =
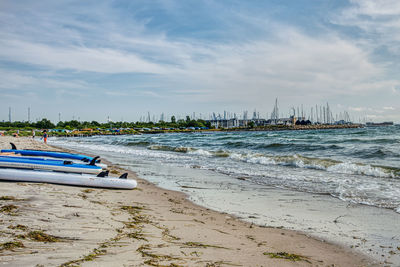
<point x="340" y="185"/>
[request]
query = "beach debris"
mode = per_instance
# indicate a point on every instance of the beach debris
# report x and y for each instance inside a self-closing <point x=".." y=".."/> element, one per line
<point x="90" y="257"/>
<point x="113" y="171"/>
<point x="8" y="208"/>
<point x="175" y="201"/>
<point x="89" y="190"/>
<point x="167" y="235"/>
<point x="177" y="211"/>
<point x="11" y="245"/>
<point x="40" y="236"/>
<point x="83" y="196"/>
<point x="10" y="198"/>
<point x="286" y="256"/>
<point x="252" y="238"/>
<point x="201" y="245"/>
<point x="220" y="263"/>
<point x="137" y="235"/>
<point x="337" y="218"/>
<point x="18" y="227"/>
<point x="198" y="221"/>
<point x="144" y="250"/>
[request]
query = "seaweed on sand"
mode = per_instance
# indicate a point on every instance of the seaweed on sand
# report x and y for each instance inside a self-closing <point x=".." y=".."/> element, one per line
<point x="11" y="245"/>
<point x="40" y="236"/>
<point x="286" y="256"/>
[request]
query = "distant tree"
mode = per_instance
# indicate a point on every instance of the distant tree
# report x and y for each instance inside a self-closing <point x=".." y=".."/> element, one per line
<point x="251" y="124"/>
<point x="187" y="119"/>
<point x="173" y="119"/>
<point x="44" y="124"/>
<point x="60" y="124"/>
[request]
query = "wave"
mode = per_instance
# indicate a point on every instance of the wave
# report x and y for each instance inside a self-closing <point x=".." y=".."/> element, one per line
<point x="296" y="147"/>
<point x="375" y="153"/>
<point x="321" y="164"/>
<point x="179" y="149"/>
<point x="138" y="143"/>
<point x="296" y="161"/>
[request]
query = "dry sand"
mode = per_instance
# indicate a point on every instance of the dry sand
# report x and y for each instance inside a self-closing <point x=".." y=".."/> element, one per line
<point x="148" y="226"/>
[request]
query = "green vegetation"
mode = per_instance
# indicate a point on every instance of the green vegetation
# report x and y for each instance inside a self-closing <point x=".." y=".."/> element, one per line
<point x="74" y="127"/>
<point x="94" y="125"/>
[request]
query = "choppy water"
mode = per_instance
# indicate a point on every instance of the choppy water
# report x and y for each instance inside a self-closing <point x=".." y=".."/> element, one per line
<point x="357" y="165"/>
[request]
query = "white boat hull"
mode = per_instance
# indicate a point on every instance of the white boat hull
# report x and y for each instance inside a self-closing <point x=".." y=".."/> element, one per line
<point x="65" y="178"/>
<point x="32" y="166"/>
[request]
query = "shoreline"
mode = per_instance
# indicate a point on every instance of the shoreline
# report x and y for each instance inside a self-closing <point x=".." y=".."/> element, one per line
<point x="163" y="227"/>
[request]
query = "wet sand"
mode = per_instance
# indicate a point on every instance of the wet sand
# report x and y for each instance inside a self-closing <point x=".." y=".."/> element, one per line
<point x="56" y="225"/>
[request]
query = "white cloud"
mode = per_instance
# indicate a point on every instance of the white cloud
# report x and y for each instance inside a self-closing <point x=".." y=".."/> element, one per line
<point x="102" y="60"/>
<point x="375" y="8"/>
<point x="20" y="81"/>
<point x="388" y="108"/>
<point x="295" y="65"/>
<point x="358" y="109"/>
<point x="380" y="20"/>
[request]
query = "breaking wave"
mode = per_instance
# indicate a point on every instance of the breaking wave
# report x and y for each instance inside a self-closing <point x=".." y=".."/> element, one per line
<point x="296" y="161"/>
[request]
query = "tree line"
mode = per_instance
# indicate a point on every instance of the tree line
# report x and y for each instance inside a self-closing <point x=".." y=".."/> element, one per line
<point x="74" y="124"/>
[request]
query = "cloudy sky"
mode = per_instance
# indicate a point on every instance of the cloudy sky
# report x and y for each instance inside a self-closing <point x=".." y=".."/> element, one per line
<point x="121" y="59"/>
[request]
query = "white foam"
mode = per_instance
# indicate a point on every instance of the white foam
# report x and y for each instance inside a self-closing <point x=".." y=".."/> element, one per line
<point x="351" y="168"/>
<point x="201" y="152"/>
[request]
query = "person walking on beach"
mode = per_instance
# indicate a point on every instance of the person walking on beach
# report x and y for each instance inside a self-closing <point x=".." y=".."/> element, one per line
<point x="33" y="134"/>
<point x="45" y="135"/>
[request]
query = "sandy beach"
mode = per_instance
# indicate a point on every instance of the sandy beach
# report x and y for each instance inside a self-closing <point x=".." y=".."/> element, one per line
<point x="56" y="225"/>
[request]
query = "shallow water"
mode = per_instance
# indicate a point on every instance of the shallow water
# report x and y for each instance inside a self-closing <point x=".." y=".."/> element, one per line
<point x="358" y="165"/>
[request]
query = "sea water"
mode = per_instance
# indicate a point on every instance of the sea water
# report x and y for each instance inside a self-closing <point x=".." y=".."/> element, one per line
<point x="341" y="185"/>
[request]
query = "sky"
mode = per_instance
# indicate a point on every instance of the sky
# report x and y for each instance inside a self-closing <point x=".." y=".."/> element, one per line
<point x="120" y="60"/>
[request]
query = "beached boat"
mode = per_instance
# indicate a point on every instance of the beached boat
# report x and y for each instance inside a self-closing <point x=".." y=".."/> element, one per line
<point x="47" y="159"/>
<point x="50" y="165"/>
<point x="52" y="154"/>
<point x="66" y="178"/>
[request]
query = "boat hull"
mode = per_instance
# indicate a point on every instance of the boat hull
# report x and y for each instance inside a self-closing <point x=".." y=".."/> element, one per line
<point x="60" y="166"/>
<point x="65" y="179"/>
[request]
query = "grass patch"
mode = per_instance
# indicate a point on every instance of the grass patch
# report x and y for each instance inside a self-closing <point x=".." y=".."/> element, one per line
<point x="286" y="256"/>
<point x="11" y="245"/>
<point x="40" y="236"/>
